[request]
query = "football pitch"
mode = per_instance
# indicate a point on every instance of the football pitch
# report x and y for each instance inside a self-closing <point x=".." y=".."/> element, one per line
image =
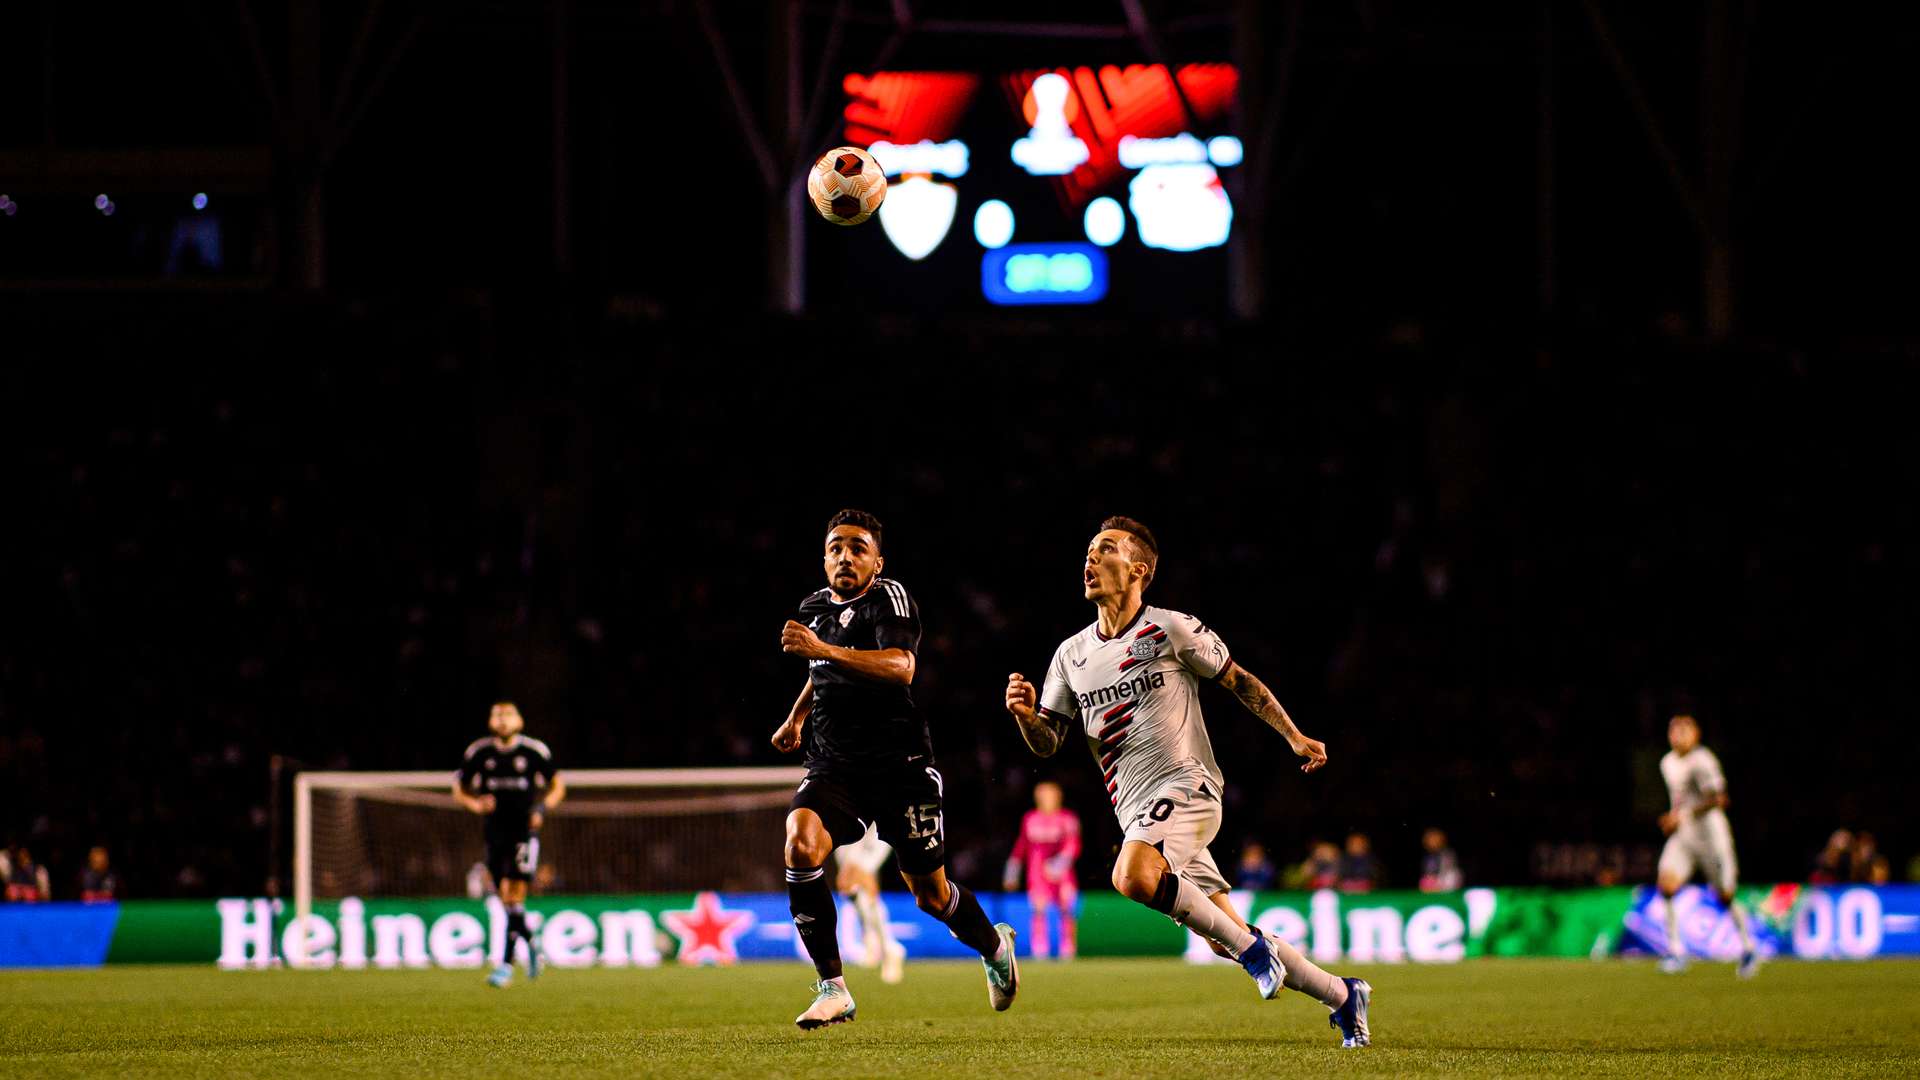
<point x="1116" y="1018"/>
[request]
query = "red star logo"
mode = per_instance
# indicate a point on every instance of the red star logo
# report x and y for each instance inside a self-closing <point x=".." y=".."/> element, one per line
<point x="708" y="931"/>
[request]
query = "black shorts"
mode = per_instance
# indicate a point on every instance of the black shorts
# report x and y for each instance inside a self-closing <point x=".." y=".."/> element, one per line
<point x="512" y="858"/>
<point x="905" y="801"/>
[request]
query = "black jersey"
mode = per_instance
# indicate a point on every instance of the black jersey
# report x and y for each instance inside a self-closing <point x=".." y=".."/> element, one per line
<point x="515" y="777"/>
<point x="857" y="722"/>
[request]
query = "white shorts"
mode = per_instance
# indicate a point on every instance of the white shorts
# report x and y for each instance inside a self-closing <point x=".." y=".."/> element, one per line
<point x="870" y="854"/>
<point x="1705" y="845"/>
<point x="1180" y="822"/>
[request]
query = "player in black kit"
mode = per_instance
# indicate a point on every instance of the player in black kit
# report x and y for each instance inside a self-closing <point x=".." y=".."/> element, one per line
<point x="500" y="778"/>
<point x="869" y="760"/>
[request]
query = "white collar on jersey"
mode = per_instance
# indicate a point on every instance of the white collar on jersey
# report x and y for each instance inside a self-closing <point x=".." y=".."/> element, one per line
<point x="835" y="597"/>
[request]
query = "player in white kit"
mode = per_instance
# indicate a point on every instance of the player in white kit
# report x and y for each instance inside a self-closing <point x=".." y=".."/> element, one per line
<point x="1130" y="683"/>
<point x="859" y="878"/>
<point x="1698" y="838"/>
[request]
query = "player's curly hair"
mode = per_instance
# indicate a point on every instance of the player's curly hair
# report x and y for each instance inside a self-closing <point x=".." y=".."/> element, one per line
<point x="859" y="519"/>
<point x="1145" y="548"/>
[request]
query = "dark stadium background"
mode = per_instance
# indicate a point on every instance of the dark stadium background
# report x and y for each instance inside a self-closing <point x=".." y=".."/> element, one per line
<point x="1496" y="478"/>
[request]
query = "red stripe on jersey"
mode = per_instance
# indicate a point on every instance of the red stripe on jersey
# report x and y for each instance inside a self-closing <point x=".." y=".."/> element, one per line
<point x="1148" y="629"/>
<point x="1115" y="728"/>
<point x="1125" y="706"/>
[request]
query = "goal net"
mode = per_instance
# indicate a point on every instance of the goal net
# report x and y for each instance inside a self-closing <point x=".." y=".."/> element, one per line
<point x="401" y="834"/>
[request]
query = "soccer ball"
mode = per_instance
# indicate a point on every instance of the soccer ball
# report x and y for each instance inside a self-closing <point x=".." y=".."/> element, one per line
<point x="846" y="185"/>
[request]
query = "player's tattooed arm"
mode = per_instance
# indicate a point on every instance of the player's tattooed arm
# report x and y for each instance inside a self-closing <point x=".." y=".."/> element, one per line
<point x="1044" y="729"/>
<point x="1260" y="701"/>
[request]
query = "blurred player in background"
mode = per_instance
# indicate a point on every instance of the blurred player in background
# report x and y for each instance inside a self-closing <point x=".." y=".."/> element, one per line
<point x="1049" y="845"/>
<point x="1130" y="683"/>
<point x="98" y="883"/>
<point x="869" y="762"/>
<point x="27" y="881"/>
<point x="1698" y="838"/>
<point x="859" y="879"/>
<point x="510" y="778"/>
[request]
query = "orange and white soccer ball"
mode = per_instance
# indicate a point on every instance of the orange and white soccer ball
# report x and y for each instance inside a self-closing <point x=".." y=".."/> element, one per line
<point x="846" y="185"/>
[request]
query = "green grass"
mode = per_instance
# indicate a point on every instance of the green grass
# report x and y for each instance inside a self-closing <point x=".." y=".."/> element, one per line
<point x="1130" y="1019"/>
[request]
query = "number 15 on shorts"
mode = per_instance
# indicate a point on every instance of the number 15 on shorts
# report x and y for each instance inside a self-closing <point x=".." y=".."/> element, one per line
<point x="923" y="823"/>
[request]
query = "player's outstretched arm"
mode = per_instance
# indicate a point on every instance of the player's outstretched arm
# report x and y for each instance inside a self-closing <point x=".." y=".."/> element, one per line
<point x="1044" y="729"/>
<point x="880" y="665"/>
<point x="1260" y="702"/>
<point x="789" y="735"/>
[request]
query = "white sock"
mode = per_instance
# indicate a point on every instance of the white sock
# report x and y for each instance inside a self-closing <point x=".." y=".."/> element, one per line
<point x="873" y="917"/>
<point x="1674" y="945"/>
<point x="1739" y="914"/>
<point x="1193" y="910"/>
<point x="1307" y="977"/>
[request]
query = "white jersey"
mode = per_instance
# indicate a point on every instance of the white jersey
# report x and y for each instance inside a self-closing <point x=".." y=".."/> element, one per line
<point x="1702" y="841"/>
<point x="1136" y="695"/>
<point x="869" y="853"/>
<point x="1692" y="779"/>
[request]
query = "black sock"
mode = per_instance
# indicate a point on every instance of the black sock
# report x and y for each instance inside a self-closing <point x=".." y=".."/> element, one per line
<point x="810" y="899"/>
<point x="968" y="922"/>
<point x="517" y="929"/>
<point x="1164" y="896"/>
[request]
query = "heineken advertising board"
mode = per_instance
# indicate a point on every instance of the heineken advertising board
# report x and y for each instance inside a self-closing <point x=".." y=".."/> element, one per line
<point x="726" y="928"/>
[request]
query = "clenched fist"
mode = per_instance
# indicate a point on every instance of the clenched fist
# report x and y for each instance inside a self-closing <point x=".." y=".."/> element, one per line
<point x="797" y="640"/>
<point x="1021" y="696"/>
<point x="787" y="737"/>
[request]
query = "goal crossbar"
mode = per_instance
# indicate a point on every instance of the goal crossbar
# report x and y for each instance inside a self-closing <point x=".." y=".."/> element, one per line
<point x="441" y="780"/>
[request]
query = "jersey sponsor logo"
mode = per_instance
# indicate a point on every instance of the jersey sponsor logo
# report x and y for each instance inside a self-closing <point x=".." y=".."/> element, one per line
<point x="1131" y="688"/>
<point x="1144" y="649"/>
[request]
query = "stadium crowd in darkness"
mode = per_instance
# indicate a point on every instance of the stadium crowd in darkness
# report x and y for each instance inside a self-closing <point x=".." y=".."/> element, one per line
<point x="1484" y="575"/>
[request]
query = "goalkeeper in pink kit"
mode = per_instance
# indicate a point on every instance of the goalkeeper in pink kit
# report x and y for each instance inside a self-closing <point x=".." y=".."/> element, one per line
<point x="1048" y="845"/>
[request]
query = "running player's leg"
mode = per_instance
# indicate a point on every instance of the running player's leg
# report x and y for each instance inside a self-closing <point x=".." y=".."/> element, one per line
<point x="1723" y="870"/>
<point x="1676" y="866"/>
<point x="1040" y="900"/>
<point x="857" y="883"/>
<point x="1069" y="901"/>
<point x="1170" y="832"/>
<point x="953" y="904"/>
<point x="1143" y="875"/>
<point x="859" y="869"/>
<point x="916" y="829"/>
<point x="505" y="857"/>
<point x="1301" y="974"/>
<point x="513" y="897"/>
<point x="820" y="818"/>
<point x="809" y="897"/>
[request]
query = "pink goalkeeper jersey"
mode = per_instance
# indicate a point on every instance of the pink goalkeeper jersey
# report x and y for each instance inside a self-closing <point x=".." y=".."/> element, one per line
<point x="1048" y="838"/>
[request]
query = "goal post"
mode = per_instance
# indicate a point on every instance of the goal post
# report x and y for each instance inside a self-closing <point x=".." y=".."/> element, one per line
<point x="402" y="834"/>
